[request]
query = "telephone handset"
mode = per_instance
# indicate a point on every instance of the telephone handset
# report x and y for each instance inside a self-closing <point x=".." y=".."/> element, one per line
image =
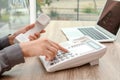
<point x="41" y="22"/>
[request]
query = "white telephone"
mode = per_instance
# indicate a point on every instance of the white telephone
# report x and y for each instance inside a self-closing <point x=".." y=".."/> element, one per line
<point x="41" y="22"/>
<point x="81" y="51"/>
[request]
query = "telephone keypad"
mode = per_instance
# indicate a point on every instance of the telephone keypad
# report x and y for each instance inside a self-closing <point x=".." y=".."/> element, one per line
<point x="62" y="56"/>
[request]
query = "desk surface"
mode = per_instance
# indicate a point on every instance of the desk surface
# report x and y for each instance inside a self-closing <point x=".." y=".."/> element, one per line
<point x="32" y="69"/>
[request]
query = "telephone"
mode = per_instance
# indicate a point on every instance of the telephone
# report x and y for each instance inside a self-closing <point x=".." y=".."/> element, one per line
<point x="81" y="51"/>
<point x="41" y="22"/>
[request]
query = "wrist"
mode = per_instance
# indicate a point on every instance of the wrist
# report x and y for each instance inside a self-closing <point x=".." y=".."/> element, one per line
<point x="11" y="38"/>
<point x="25" y="48"/>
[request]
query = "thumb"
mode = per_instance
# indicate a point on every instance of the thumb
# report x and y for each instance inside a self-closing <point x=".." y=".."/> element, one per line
<point x="30" y="26"/>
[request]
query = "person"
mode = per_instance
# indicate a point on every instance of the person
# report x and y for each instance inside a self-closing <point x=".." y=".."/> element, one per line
<point x="12" y="54"/>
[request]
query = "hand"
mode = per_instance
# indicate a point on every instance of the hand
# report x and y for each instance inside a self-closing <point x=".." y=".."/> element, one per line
<point x="23" y="30"/>
<point x="43" y="47"/>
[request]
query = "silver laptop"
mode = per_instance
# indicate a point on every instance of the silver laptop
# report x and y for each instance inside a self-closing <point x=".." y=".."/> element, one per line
<point x="106" y="29"/>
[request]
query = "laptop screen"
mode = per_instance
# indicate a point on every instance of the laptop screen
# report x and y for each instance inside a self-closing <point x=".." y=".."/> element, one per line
<point x="110" y="17"/>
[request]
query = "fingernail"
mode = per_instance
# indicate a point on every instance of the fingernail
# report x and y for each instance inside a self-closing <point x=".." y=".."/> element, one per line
<point x="66" y="50"/>
<point x="46" y="59"/>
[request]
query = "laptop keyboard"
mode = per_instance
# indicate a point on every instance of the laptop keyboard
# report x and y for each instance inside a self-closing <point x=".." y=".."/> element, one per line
<point x="92" y="33"/>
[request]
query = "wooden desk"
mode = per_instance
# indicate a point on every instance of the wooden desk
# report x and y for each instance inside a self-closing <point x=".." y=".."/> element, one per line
<point x="108" y="69"/>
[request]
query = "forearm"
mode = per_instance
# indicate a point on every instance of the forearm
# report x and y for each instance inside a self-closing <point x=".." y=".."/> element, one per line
<point x="9" y="57"/>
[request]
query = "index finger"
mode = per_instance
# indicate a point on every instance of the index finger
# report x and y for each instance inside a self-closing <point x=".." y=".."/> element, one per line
<point x="63" y="49"/>
<point x="60" y="47"/>
<point x="42" y="31"/>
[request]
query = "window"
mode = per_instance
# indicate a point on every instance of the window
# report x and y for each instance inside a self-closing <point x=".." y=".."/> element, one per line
<point x="18" y="13"/>
<point x="13" y="15"/>
<point x="71" y="9"/>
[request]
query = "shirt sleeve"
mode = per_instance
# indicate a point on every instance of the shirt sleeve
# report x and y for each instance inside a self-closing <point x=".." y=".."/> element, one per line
<point x="4" y="42"/>
<point x="9" y="57"/>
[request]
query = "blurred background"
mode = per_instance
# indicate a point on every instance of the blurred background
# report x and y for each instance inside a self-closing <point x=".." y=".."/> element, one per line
<point x="15" y="14"/>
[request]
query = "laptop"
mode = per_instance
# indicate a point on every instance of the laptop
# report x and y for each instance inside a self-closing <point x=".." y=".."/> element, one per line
<point x="106" y="28"/>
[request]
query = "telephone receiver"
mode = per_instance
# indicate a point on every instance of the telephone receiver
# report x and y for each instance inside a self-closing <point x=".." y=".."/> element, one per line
<point x="41" y="22"/>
